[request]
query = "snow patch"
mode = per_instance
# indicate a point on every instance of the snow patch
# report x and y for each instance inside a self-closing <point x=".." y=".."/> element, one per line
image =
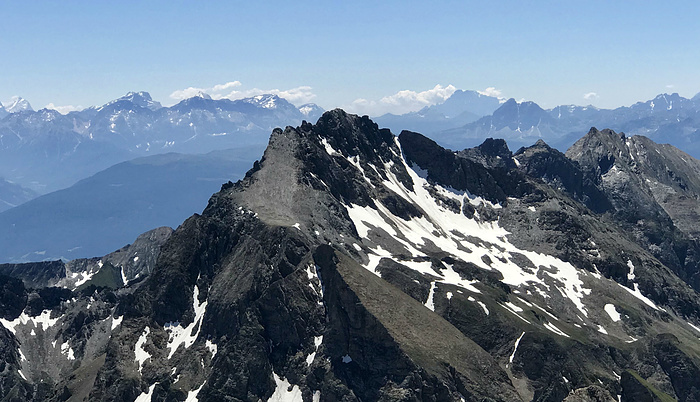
<point x="694" y="327"/>
<point x="146" y="396"/>
<point x="212" y="347"/>
<point x="630" y="275"/>
<point x="117" y="321"/>
<point x="43" y="320"/>
<point x="317" y="342"/>
<point x="124" y="280"/>
<point x="192" y="395"/>
<point x="638" y="294"/>
<point x="140" y="355"/>
<point x="514" y="312"/>
<point x="329" y="149"/>
<point x="179" y="335"/>
<point x="67" y="350"/>
<point x="515" y="347"/>
<point x="612" y="312"/>
<point x="554" y="329"/>
<point x="513" y="307"/>
<point x="284" y="391"/>
<point x="429" y="303"/>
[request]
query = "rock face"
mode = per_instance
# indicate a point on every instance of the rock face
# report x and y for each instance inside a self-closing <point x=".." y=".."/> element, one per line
<point x="654" y="191"/>
<point x="350" y="264"/>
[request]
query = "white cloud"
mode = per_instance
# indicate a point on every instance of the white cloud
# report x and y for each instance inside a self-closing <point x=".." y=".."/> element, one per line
<point x="590" y="96"/>
<point x="187" y="93"/>
<point x="670" y="86"/>
<point x="64" y="109"/>
<point x="491" y="91"/>
<point x="401" y="102"/>
<point x="298" y="95"/>
<point x="228" y="85"/>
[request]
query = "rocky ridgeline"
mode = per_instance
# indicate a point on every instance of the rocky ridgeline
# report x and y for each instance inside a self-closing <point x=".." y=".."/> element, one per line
<point x="350" y="264"/>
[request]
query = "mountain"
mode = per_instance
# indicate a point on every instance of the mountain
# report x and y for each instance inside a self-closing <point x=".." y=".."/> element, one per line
<point x="521" y="124"/>
<point x="141" y="99"/>
<point x="667" y="118"/>
<point x="655" y="191"/>
<point x="18" y="104"/>
<point x="43" y="152"/>
<point x="311" y="111"/>
<point x="46" y="151"/>
<point x="133" y="261"/>
<point x="107" y="210"/>
<point x="460" y="108"/>
<point x="3" y="112"/>
<point x="12" y="195"/>
<point x="351" y="264"/>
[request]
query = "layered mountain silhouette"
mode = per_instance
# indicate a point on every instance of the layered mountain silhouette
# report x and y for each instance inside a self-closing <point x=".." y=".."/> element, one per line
<point x="667" y="118"/>
<point x="105" y="211"/>
<point x="46" y="151"/>
<point x="351" y="264"/>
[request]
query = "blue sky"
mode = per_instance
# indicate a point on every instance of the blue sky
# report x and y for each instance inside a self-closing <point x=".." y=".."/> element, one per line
<point x="359" y="55"/>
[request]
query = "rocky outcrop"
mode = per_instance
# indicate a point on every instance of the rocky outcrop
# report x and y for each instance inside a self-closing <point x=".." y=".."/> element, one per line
<point x="36" y="274"/>
<point x="654" y="191"/>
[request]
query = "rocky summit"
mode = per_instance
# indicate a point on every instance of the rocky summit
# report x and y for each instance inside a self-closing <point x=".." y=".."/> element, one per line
<point x="351" y="264"/>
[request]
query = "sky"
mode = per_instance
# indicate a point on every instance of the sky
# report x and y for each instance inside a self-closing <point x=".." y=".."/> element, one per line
<point x="365" y="56"/>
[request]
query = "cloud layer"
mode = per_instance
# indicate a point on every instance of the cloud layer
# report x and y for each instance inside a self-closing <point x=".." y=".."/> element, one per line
<point x="491" y="91"/>
<point x="232" y="90"/>
<point x="64" y="109"/>
<point x="402" y="102"/>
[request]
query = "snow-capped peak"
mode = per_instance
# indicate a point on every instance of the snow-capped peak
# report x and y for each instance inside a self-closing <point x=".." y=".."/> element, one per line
<point x="18" y="104"/>
<point x="202" y="95"/>
<point x="141" y="98"/>
<point x="310" y="109"/>
<point x="267" y="101"/>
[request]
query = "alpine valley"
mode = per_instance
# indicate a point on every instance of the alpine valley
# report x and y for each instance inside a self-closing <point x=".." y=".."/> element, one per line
<point x="351" y="264"/>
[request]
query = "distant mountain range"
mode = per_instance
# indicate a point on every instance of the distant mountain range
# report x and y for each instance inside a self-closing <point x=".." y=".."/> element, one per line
<point x="45" y="150"/>
<point x="670" y="119"/>
<point x="12" y="195"/>
<point x="461" y="108"/>
<point x="106" y="211"/>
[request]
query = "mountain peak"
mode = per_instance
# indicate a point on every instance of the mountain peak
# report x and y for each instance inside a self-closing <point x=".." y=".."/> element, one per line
<point x="140" y="98"/>
<point x="266" y="101"/>
<point x="467" y="101"/>
<point x="18" y="104"/>
<point x="201" y="94"/>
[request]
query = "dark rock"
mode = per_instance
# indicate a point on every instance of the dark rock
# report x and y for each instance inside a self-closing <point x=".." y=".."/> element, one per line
<point x="36" y="274"/>
<point x="13" y="297"/>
